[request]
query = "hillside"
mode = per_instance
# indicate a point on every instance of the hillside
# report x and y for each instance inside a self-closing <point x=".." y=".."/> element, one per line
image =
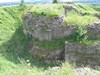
<point x="14" y="45"/>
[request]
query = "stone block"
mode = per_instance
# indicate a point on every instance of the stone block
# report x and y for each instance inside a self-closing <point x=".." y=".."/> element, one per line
<point x="71" y="57"/>
<point x="72" y="47"/>
<point x="57" y="32"/>
<point x="45" y="35"/>
<point x="93" y="30"/>
<point x="36" y="33"/>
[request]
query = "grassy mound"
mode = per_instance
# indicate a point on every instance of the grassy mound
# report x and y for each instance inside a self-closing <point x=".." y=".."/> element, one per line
<point x="10" y="18"/>
<point x="14" y="45"/>
<point x="10" y="35"/>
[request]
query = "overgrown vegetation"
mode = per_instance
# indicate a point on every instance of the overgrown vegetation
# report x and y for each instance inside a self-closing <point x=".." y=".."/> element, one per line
<point x="80" y="15"/>
<point x="48" y="10"/>
<point x="53" y="44"/>
<point x="26" y="69"/>
<point x="14" y="44"/>
<point x="22" y="2"/>
<point x="79" y="20"/>
<point x="55" y="1"/>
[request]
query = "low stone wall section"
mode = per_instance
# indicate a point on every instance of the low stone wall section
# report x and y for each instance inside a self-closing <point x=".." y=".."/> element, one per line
<point x="48" y="55"/>
<point x="82" y="53"/>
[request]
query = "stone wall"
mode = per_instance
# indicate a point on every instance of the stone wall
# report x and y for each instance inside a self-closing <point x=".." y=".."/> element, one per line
<point x="93" y="31"/>
<point x="82" y="53"/>
<point x="48" y="55"/>
<point x="45" y="28"/>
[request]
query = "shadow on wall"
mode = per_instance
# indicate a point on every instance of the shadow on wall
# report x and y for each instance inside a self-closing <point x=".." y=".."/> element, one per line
<point x="18" y="48"/>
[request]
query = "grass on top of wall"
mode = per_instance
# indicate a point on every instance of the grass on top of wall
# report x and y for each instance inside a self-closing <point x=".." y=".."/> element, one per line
<point x="49" y="10"/>
<point x="80" y="20"/>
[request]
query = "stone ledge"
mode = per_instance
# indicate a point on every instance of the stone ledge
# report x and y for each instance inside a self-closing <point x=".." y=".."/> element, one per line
<point x="74" y="51"/>
<point x="47" y="54"/>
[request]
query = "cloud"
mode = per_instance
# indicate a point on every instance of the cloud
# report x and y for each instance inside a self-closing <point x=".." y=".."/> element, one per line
<point x="4" y="1"/>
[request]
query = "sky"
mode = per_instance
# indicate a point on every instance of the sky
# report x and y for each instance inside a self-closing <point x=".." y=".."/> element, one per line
<point x="4" y="1"/>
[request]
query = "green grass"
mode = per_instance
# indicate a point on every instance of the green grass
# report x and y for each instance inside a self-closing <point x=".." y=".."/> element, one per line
<point x="53" y="44"/>
<point x="85" y="7"/>
<point x="8" y="22"/>
<point x="84" y="16"/>
<point x="26" y="69"/>
<point x="14" y="45"/>
<point x="5" y="64"/>
<point x="47" y="9"/>
<point x="77" y="19"/>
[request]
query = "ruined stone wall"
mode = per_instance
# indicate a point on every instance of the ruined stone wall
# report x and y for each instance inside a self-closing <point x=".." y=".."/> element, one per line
<point x="45" y="28"/>
<point x="93" y="31"/>
<point x="82" y="53"/>
<point x="48" y="55"/>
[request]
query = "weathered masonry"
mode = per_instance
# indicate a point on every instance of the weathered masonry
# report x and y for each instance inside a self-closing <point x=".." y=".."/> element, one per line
<point x="82" y="53"/>
<point x="44" y="28"/>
